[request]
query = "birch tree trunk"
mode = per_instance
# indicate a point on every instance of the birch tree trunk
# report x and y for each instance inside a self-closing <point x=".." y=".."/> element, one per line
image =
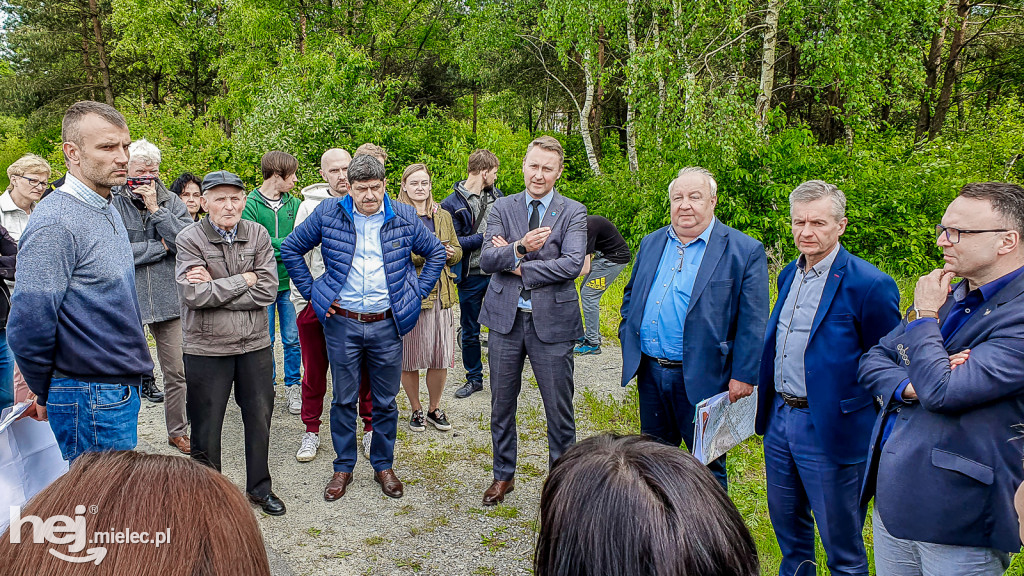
<point x="764" y="98"/>
<point x="584" y="114"/>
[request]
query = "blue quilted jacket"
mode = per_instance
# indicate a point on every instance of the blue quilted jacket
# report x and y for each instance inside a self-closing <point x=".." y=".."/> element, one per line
<point x="331" y="226"/>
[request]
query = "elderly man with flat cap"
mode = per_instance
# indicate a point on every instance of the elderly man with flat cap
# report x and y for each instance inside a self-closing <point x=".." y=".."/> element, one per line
<point x="227" y="276"/>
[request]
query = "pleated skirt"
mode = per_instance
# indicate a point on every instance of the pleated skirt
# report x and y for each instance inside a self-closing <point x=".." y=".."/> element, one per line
<point x="431" y="343"/>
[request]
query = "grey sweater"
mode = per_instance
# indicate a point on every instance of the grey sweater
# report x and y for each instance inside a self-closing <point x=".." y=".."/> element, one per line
<point x="154" y="264"/>
<point x="74" y="308"/>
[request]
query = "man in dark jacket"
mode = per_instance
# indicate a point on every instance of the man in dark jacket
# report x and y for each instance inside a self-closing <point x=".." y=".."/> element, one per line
<point x="469" y="206"/>
<point x="153" y="216"/>
<point x="367" y="298"/>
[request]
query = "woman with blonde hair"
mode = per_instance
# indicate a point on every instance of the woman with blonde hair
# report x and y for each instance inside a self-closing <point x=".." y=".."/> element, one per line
<point x="431" y="344"/>
<point x="29" y="176"/>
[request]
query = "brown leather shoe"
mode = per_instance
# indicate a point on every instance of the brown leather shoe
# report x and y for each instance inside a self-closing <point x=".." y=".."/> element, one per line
<point x="336" y="487"/>
<point x="182" y="443"/>
<point x="496" y="493"/>
<point x="390" y="485"/>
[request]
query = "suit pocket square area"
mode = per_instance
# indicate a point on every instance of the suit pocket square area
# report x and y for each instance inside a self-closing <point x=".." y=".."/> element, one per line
<point x="966" y="466"/>
<point x="566" y="296"/>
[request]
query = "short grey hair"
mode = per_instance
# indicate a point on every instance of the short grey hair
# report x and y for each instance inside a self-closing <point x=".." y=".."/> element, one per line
<point x="708" y="177"/>
<point x="816" y="190"/>
<point x="143" y="152"/>
<point x="365" y="168"/>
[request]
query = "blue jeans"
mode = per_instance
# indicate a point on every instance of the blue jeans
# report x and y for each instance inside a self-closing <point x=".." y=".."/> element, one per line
<point x="471" y="299"/>
<point x="6" y="372"/>
<point x="803" y="479"/>
<point x="352" y="348"/>
<point x="92" y="416"/>
<point x="665" y="411"/>
<point x="289" y="337"/>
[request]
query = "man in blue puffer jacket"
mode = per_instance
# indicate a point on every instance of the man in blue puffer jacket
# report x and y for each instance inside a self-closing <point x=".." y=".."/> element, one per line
<point x="367" y="299"/>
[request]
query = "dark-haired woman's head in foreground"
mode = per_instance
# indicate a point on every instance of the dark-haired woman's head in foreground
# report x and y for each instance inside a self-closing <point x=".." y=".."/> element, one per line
<point x="629" y="505"/>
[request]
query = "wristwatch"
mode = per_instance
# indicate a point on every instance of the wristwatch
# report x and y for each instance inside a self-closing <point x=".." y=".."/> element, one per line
<point x="520" y="249"/>
<point x="915" y="314"/>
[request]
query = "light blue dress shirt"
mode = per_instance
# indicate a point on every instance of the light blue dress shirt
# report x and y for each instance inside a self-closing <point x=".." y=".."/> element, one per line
<point x="795" y="320"/>
<point x="366" y="287"/>
<point x="661" y="332"/>
<point x="79" y="190"/>
<point x="545" y="202"/>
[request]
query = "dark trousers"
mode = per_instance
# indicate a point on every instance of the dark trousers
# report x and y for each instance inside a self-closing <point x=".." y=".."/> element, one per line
<point x="802" y="479"/>
<point x="208" y="386"/>
<point x="351" y="345"/>
<point x="552" y="365"/>
<point x="314" y="374"/>
<point x="471" y="298"/>
<point x="665" y="412"/>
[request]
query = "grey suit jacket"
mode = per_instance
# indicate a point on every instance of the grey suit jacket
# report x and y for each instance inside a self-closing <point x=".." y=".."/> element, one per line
<point x="549" y="272"/>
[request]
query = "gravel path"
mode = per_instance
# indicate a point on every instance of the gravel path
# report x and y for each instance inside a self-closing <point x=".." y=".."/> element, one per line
<point x="439" y="526"/>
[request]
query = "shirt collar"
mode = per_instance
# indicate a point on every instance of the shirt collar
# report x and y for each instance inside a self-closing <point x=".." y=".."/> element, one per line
<point x="7" y="204"/>
<point x="79" y="190"/>
<point x="988" y="290"/>
<point x="227" y="235"/>
<point x="821" y="267"/>
<point x="705" y="235"/>
<point x="545" y="200"/>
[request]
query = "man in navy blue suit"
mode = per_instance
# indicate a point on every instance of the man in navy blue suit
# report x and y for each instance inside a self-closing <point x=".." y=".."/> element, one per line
<point x="693" y="313"/>
<point x="945" y="459"/>
<point x="816" y="419"/>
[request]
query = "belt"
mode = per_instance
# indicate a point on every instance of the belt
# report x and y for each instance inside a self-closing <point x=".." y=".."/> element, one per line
<point x="794" y="401"/>
<point x="666" y="363"/>
<point x="363" y="316"/>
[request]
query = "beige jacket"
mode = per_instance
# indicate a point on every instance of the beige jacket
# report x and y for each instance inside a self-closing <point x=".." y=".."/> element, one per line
<point x="444" y="229"/>
<point x="225" y="316"/>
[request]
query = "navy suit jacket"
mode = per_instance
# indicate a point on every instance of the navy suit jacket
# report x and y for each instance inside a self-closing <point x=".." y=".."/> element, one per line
<point x="858" y="306"/>
<point x="723" y="334"/>
<point x="550" y="273"/>
<point x="948" y="471"/>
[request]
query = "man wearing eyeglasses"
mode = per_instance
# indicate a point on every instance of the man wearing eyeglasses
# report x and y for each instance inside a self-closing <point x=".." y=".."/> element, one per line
<point x="944" y="462"/>
<point x="367" y="298"/>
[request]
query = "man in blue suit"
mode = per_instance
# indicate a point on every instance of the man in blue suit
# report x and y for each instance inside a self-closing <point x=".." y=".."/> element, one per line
<point x="815" y="417"/>
<point x="693" y="313"/>
<point x="945" y="457"/>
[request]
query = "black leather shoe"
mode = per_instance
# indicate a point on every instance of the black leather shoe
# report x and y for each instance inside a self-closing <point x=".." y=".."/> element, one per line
<point x="469" y="388"/>
<point x="271" y="504"/>
<point x="149" y="390"/>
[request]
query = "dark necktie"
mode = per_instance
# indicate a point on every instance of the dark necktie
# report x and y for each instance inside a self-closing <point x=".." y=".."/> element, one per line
<point x="534" y="224"/>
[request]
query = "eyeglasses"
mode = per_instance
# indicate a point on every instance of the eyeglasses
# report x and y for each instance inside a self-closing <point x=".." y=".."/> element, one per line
<point x="32" y="182"/>
<point x="953" y="234"/>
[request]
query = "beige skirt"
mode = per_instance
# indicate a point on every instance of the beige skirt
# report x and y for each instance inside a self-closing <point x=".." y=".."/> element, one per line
<point x="431" y="343"/>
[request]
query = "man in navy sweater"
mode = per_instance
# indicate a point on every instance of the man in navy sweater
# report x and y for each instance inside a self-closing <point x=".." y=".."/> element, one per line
<point x="75" y="326"/>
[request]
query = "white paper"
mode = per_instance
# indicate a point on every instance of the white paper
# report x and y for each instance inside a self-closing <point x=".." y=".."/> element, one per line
<point x="30" y="460"/>
<point x="719" y="425"/>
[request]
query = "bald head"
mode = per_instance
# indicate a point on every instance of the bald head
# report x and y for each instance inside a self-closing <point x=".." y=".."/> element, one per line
<point x="334" y="169"/>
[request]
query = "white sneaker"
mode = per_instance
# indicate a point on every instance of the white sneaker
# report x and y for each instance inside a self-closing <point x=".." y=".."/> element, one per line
<point x="295" y="399"/>
<point x="308" y="449"/>
<point x="367" y="438"/>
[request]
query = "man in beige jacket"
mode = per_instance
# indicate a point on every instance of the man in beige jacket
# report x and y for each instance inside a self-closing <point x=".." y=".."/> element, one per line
<point x="227" y="276"/>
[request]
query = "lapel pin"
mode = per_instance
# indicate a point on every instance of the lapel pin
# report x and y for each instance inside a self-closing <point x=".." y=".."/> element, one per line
<point x="987" y="312"/>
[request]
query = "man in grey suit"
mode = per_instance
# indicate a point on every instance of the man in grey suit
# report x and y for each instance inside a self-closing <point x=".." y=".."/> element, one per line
<point x="534" y="248"/>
